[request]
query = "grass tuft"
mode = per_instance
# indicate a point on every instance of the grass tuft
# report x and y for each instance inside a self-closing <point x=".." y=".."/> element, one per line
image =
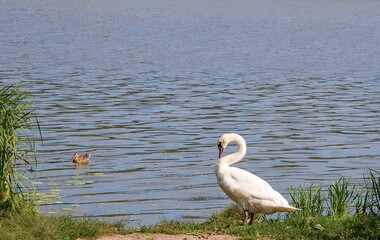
<point x="310" y="200"/>
<point x="341" y="197"/>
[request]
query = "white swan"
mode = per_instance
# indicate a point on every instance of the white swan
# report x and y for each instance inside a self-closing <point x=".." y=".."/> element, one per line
<point x="252" y="193"/>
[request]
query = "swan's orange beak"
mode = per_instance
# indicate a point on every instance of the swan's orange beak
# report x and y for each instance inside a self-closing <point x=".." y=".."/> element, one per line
<point x="221" y="149"/>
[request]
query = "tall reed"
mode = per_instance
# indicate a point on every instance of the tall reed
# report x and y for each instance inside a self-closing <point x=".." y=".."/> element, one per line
<point x="18" y="128"/>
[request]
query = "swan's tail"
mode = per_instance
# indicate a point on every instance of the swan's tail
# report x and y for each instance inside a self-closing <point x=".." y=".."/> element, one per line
<point x="287" y="209"/>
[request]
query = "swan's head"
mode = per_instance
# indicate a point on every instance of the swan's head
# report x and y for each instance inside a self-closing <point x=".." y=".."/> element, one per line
<point x="224" y="140"/>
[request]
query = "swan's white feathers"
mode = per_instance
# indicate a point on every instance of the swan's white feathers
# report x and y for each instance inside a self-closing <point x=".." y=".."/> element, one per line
<point x="250" y="183"/>
<point x="248" y="190"/>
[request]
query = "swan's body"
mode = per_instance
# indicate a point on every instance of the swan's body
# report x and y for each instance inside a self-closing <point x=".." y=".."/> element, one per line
<point x="252" y="193"/>
<point x="81" y="159"/>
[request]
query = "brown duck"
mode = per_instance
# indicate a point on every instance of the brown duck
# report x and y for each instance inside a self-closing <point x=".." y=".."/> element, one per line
<point x="81" y="159"/>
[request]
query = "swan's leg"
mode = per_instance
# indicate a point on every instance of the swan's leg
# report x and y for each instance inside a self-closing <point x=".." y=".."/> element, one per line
<point x="246" y="215"/>
<point x="251" y="217"/>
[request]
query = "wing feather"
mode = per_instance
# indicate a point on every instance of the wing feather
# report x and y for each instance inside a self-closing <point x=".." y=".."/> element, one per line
<point x="255" y="187"/>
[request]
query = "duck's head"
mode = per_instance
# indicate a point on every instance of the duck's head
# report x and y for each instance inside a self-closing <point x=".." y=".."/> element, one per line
<point x="77" y="158"/>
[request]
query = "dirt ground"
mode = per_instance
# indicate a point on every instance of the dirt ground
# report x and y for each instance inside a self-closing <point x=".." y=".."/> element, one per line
<point x="159" y="236"/>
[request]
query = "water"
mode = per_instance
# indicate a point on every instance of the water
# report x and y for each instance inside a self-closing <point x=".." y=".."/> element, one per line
<point x="147" y="87"/>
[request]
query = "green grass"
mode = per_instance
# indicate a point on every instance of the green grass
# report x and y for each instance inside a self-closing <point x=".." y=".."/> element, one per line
<point x="21" y="225"/>
<point x="341" y="197"/>
<point x="35" y="226"/>
<point x="298" y="227"/>
<point x="310" y="200"/>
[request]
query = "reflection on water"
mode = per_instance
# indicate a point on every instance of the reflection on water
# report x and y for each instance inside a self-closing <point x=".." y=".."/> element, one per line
<point x="147" y="89"/>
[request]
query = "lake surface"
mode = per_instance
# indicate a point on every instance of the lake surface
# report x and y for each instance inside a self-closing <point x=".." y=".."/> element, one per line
<point x="147" y="87"/>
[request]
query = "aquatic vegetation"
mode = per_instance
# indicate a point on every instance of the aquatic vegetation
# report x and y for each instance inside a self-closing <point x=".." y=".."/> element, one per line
<point x="47" y="197"/>
<point x="18" y="128"/>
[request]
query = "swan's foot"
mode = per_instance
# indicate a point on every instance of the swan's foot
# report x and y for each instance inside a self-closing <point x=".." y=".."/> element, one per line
<point x="251" y="217"/>
<point x="246" y="215"/>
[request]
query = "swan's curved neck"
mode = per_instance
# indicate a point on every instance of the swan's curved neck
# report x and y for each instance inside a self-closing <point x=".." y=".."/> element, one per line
<point x="237" y="156"/>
